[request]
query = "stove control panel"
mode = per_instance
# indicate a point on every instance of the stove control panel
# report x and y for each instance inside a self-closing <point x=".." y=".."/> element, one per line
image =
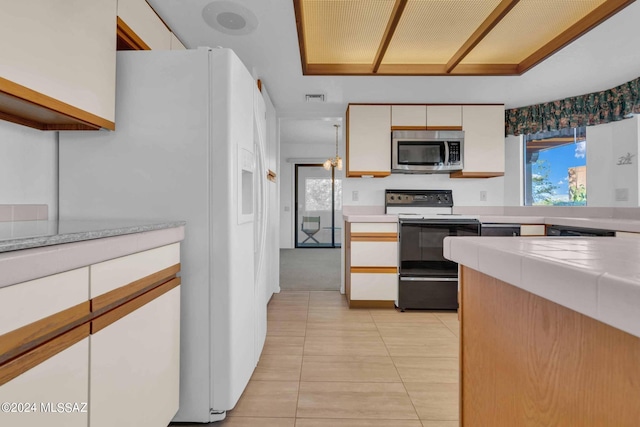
<point x="422" y="198"/>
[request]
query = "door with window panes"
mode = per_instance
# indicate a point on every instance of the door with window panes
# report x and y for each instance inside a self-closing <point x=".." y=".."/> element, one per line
<point x="318" y="206"/>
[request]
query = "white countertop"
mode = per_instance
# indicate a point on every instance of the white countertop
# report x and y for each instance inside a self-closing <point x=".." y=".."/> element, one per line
<point x="597" y="276"/>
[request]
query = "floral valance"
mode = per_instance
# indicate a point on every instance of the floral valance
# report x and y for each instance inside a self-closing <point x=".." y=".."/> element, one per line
<point x="584" y="110"/>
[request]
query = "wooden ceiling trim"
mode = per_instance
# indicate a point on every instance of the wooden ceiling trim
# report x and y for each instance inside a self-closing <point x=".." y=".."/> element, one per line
<point x="394" y="19"/>
<point x="411" y="69"/>
<point x="485" y="28"/>
<point x="593" y="19"/>
<point x="338" y="70"/>
<point x="484" y="70"/>
<point x="297" y="7"/>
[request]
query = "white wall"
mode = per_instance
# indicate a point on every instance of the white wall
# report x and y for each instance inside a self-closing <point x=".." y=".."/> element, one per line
<point x="28" y="166"/>
<point x="466" y="192"/>
<point x="513" y="173"/>
<point x="311" y="153"/>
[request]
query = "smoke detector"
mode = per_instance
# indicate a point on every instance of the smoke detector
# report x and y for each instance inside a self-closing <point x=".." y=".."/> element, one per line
<point x="229" y="18"/>
<point x="314" y="97"/>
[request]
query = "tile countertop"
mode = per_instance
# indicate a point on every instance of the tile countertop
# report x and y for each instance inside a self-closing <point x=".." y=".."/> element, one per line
<point x="596" y="276"/>
<point x="18" y="235"/>
<point x="614" y="224"/>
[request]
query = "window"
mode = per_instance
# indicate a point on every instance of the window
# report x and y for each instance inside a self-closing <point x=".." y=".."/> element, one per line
<point x="555" y="168"/>
<point x="317" y="194"/>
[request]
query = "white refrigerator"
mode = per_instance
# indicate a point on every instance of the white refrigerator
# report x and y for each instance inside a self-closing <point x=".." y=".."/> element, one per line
<point x="188" y="145"/>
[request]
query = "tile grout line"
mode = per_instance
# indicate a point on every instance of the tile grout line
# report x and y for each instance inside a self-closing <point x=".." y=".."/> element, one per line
<point x="304" y="342"/>
<point x="396" y="368"/>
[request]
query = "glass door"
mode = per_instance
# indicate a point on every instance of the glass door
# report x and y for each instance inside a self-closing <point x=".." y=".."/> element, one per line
<point x="318" y="206"/>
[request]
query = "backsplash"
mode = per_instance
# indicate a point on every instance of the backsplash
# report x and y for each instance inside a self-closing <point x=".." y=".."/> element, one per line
<point x="23" y="212"/>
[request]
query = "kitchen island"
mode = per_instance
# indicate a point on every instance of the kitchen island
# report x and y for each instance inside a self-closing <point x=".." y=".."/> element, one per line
<point x="90" y="319"/>
<point x="550" y="330"/>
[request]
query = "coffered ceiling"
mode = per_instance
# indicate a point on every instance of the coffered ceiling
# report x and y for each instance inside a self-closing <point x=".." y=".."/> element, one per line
<point x="440" y="37"/>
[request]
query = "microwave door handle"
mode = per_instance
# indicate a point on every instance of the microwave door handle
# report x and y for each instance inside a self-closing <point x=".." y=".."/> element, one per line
<point x="446" y="152"/>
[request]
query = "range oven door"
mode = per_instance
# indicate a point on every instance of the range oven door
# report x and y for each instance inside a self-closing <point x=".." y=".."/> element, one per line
<point x="427" y="280"/>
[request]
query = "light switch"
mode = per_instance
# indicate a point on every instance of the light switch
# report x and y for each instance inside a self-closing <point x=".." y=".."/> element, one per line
<point x="287" y="208"/>
<point x="354" y="196"/>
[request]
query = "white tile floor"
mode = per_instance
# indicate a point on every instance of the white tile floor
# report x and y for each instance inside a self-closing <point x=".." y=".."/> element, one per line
<point x="324" y="364"/>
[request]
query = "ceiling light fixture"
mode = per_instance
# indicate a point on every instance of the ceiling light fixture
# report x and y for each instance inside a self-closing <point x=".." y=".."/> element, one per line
<point x="334" y="162"/>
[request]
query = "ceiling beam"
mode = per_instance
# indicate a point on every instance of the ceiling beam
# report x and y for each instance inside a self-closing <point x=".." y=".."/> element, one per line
<point x="297" y="7"/>
<point x="394" y="19"/>
<point x="480" y="33"/>
<point x="593" y="19"/>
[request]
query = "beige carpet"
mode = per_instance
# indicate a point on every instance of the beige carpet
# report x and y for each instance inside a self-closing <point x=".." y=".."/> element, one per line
<point x="310" y="269"/>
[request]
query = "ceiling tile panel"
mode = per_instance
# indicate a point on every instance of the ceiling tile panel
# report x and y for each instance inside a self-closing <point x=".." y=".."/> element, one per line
<point x="528" y="27"/>
<point x="432" y="31"/>
<point x="344" y="31"/>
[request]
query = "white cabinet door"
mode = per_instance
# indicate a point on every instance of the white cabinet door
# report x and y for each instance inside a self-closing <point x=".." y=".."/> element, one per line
<point x="176" y="44"/>
<point x="369" y="140"/>
<point x="372" y="287"/>
<point x="409" y="116"/>
<point x="65" y="50"/>
<point x="63" y="378"/>
<point x="142" y="19"/>
<point x="444" y="116"/>
<point x="135" y="367"/>
<point x="483" y="127"/>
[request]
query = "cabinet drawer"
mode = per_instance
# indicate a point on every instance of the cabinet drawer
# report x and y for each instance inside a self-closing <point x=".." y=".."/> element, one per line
<point x="374" y="227"/>
<point x="374" y="254"/>
<point x="41" y="298"/>
<point x="371" y="286"/>
<point x="109" y="275"/>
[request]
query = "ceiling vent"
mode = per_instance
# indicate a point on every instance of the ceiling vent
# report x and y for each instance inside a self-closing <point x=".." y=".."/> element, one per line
<point x="315" y="97"/>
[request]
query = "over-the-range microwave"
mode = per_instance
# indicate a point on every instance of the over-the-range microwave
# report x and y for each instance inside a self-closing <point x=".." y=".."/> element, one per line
<point x="426" y="151"/>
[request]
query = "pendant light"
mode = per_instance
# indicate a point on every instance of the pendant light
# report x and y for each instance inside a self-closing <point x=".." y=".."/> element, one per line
<point x="334" y="162"/>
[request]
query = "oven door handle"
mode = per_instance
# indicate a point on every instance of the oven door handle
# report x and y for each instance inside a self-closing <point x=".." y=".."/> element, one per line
<point x="429" y="279"/>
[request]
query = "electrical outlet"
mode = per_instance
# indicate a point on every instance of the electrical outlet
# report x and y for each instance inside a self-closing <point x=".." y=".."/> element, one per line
<point x="483" y="196"/>
<point x="354" y="196"/>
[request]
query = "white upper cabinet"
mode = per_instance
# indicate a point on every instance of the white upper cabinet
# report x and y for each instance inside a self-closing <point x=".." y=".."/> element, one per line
<point x="483" y="127"/>
<point x="176" y="44"/>
<point x="409" y="116"/>
<point x="145" y="23"/>
<point x="444" y="116"/>
<point x="368" y="140"/>
<point x="59" y="59"/>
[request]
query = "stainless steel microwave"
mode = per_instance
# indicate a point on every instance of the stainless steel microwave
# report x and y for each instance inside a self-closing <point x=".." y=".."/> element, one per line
<point x="427" y="151"/>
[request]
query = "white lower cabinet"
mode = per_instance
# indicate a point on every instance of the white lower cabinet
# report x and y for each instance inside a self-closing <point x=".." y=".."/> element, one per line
<point x="372" y="286"/>
<point x="135" y="366"/>
<point x="40" y="395"/>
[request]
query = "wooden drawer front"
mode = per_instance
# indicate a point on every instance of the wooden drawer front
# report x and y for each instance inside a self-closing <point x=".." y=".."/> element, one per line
<point x="60" y="378"/>
<point x="374" y="254"/>
<point x="41" y="298"/>
<point x="109" y="275"/>
<point x="135" y="366"/>
<point x="374" y="227"/>
<point x="532" y="230"/>
<point x="371" y="286"/>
